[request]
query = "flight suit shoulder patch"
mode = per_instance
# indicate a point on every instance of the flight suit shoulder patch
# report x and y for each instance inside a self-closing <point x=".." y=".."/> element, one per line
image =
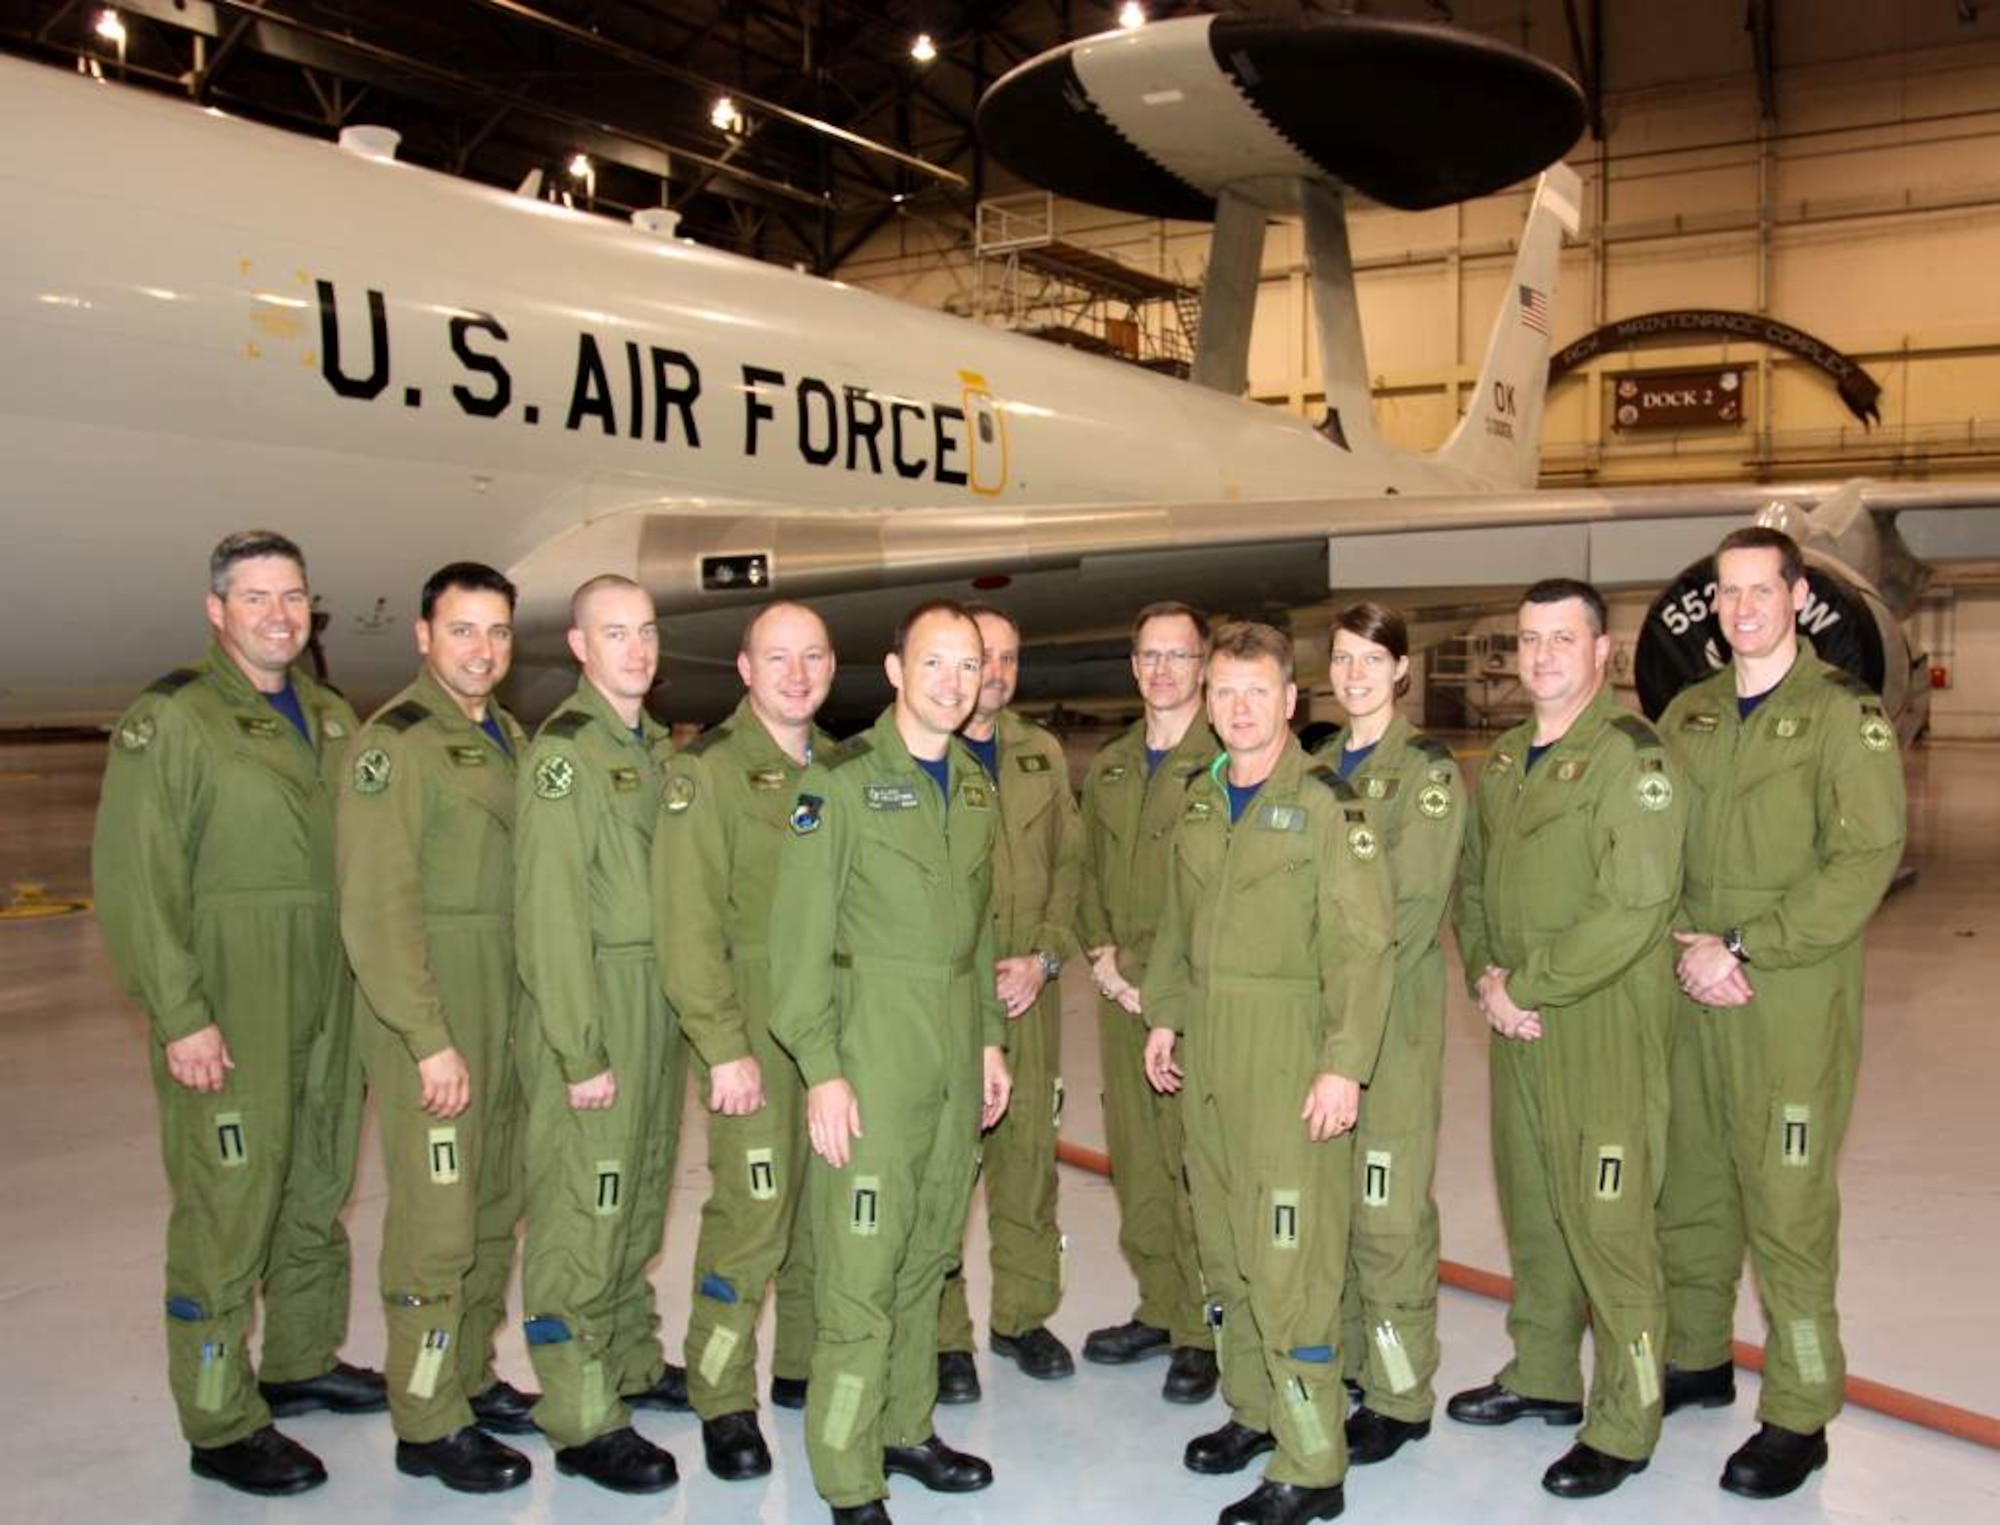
<point x="1877" y="735"/>
<point x="677" y="794"/>
<point x="1342" y="789"/>
<point x="1639" y="732"/>
<point x="1363" y="843"/>
<point x="845" y="753"/>
<point x="401" y="717"/>
<point x="714" y="736"/>
<point x="564" y="727"/>
<point x="174" y="681"/>
<point x="555" y="777"/>
<point x="372" y="771"/>
<point x="135" y="733"/>
<point x="1654" y="789"/>
<point x="1434" y="800"/>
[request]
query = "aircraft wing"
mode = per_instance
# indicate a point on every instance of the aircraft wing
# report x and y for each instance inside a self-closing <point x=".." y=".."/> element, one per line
<point x="1074" y="575"/>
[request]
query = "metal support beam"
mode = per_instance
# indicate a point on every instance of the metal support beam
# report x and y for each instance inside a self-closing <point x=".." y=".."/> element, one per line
<point x="1229" y="294"/>
<point x="1762" y="23"/>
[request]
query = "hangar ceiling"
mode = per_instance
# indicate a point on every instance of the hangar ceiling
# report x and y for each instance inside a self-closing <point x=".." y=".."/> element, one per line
<point x="840" y="130"/>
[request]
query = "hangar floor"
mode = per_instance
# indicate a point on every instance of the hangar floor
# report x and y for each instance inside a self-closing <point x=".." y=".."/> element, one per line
<point x="88" y="1433"/>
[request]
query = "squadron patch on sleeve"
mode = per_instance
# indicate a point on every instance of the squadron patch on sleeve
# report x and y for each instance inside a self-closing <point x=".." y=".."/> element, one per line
<point x="1655" y="791"/>
<point x="136" y="735"/>
<point x="1363" y="843"/>
<point x="678" y="794"/>
<point x="1876" y="733"/>
<point x="805" y="815"/>
<point x="554" y="777"/>
<point x="371" y="771"/>
<point x="1434" y="801"/>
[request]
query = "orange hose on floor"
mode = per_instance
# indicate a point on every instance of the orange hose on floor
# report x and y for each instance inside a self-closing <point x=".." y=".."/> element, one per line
<point x="1878" y="1397"/>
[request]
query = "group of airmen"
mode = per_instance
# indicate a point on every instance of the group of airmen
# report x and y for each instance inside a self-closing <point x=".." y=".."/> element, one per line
<point x="514" y="943"/>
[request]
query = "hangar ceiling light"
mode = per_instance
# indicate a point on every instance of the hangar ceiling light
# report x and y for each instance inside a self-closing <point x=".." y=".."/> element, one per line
<point x="110" y="25"/>
<point x="1131" y="14"/>
<point x="923" y="50"/>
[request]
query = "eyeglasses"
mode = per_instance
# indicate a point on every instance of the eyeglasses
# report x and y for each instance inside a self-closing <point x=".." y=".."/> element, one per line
<point x="1165" y="658"/>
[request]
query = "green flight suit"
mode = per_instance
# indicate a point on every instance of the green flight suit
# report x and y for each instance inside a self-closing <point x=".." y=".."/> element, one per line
<point x="1570" y="876"/>
<point x="1797" y="825"/>
<point x="1417" y="801"/>
<point x="882" y="974"/>
<point x="723" y="815"/>
<point x="1275" y="962"/>
<point x="1036" y="863"/>
<point x="1129" y="815"/>
<point x="587" y="797"/>
<point x="213" y="875"/>
<point x="426" y="854"/>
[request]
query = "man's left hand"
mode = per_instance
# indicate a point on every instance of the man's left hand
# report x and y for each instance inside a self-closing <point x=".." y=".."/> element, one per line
<point x="1332" y="1108"/>
<point x="1018" y="982"/>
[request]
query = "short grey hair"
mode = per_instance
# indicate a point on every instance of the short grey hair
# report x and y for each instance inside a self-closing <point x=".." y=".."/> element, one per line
<point x="248" y="545"/>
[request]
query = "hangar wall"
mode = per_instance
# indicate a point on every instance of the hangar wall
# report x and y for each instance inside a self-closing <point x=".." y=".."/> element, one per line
<point x="1867" y="213"/>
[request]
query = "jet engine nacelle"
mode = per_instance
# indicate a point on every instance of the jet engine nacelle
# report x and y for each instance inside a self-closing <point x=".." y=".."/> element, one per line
<point x="1845" y="619"/>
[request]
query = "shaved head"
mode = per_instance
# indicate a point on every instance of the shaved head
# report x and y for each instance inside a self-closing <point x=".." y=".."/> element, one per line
<point x="586" y="594"/>
<point x="774" y="610"/>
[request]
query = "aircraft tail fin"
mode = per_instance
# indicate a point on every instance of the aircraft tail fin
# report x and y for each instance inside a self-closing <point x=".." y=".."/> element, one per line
<point x="1500" y="436"/>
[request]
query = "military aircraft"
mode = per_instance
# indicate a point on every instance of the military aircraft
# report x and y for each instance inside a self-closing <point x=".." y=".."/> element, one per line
<point x="209" y="324"/>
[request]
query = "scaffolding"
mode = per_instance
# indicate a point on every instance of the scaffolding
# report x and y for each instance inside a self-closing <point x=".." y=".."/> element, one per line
<point x="1033" y="282"/>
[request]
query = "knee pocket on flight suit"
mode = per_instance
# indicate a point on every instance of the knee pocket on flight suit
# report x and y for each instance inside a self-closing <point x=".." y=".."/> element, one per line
<point x="1795" y="1163"/>
<point x="1388" y="1189"/>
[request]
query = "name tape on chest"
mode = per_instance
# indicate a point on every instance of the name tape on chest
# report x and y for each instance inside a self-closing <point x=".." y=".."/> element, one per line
<point x="1032" y="762"/>
<point x="257" y="725"/>
<point x="890" y="797"/>
<point x="469" y="756"/>
<point x="625" y="780"/>
<point x="1282" y="818"/>
<point x="765" y="780"/>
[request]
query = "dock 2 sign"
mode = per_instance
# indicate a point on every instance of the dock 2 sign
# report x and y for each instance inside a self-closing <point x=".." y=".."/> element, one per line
<point x="1704" y="399"/>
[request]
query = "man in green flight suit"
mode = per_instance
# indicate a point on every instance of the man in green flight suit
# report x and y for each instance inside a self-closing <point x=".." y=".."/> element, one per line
<point x="1271" y="974"/>
<point x="426" y="859"/>
<point x="213" y="874"/>
<point x="1133" y="797"/>
<point x="1414" y="793"/>
<point x="1797" y="824"/>
<point x="882" y="992"/>
<point x="600" y="1056"/>
<point x="1036" y="862"/>
<point x="722" y="816"/>
<point x="1571" y="873"/>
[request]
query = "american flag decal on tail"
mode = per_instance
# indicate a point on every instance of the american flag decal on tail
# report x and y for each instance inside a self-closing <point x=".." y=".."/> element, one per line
<point x="1534" y="310"/>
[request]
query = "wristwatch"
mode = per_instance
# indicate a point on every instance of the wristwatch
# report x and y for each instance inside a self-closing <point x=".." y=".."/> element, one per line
<point x="1732" y="943"/>
<point x="1051" y="965"/>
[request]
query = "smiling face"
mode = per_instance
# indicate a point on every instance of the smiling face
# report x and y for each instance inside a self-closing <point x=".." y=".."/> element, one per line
<point x="468" y="643"/>
<point x="937" y="676"/>
<point x="1759" y="611"/>
<point x="1000" y="674"/>
<point x="1249" y="703"/>
<point x="1166" y="662"/>
<point x="787" y="665"/>
<point x="1562" y="657"/>
<point x="617" y="642"/>
<point x="1364" y="674"/>
<point x="264" y="617"/>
